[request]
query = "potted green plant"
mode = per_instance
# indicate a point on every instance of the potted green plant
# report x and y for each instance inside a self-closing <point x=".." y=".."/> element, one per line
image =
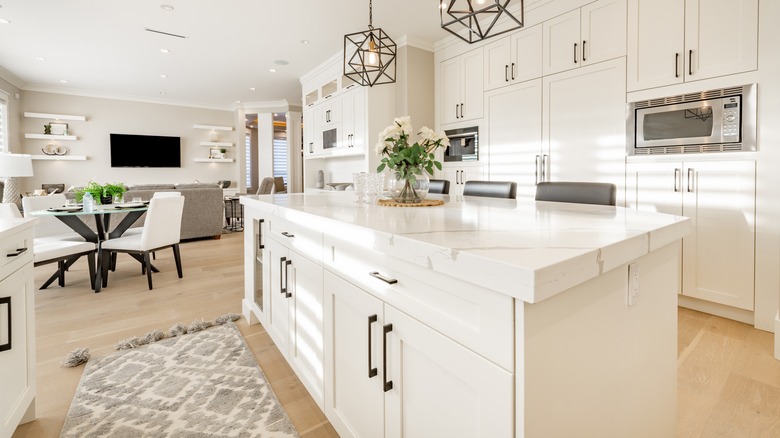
<point x="102" y="194"/>
<point x="110" y="191"/>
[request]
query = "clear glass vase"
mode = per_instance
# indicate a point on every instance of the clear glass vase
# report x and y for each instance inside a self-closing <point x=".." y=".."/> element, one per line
<point x="409" y="188"/>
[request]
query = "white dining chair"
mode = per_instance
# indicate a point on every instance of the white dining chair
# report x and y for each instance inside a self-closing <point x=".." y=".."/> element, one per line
<point x="49" y="228"/>
<point x="162" y="229"/>
<point x="52" y="249"/>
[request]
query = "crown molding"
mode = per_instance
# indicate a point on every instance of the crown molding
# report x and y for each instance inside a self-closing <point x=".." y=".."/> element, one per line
<point x="264" y="107"/>
<point x="412" y="41"/>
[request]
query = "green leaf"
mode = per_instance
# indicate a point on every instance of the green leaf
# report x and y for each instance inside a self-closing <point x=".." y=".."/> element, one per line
<point x="380" y="168"/>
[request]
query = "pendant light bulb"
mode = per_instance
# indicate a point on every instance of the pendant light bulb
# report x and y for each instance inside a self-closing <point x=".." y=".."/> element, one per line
<point x="372" y="57"/>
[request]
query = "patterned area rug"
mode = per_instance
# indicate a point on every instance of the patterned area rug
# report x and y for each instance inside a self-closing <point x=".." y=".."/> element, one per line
<point x="204" y="384"/>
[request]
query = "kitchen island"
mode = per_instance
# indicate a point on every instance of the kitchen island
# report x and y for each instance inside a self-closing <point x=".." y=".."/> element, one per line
<point x="481" y="317"/>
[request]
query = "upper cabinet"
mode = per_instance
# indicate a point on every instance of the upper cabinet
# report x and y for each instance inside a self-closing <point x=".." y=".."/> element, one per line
<point x="514" y="59"/>
<point x="594" y="33"/>
<point x="462" y="87"/>
<point x="675" y="41"/>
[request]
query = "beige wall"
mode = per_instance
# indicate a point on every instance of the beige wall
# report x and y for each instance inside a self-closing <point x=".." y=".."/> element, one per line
<point x="415" y="86"/>
<point x="106" y="116"/>
<point x="14" y="117"/>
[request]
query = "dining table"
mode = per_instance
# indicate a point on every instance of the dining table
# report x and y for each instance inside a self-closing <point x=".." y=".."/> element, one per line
<point x="73" y="217"/>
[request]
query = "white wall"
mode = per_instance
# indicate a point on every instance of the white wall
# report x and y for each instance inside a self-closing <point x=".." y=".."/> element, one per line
<point x="106" y="116"/>
<point x="14" y="136"/>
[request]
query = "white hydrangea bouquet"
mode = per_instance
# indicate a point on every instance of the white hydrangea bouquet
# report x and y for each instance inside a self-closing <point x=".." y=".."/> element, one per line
<point x="409" y="162"/>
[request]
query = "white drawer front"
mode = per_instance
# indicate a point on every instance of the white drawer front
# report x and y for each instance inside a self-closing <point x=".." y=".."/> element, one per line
<point x="15" y="251"/>
<point x="478" y="318"/>
<point x="303" y="240"/>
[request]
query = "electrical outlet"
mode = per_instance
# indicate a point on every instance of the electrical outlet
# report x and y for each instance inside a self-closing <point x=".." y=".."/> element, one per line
<point x="632" y="294"/>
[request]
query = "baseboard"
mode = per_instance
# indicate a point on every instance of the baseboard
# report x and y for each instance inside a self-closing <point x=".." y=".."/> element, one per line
<point x="716" y="309"/>
<point x="777" y="336"/>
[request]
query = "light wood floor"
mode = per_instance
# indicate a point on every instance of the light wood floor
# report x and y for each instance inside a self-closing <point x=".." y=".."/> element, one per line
<point x="728" y="381"/>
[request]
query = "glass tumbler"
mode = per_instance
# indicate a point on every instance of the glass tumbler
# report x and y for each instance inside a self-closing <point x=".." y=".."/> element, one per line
<point x="359" y="183"/>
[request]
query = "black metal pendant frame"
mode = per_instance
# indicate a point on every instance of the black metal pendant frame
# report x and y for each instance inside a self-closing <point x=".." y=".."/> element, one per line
<point x="357" y="47"/>
<point x="455" y="16"/>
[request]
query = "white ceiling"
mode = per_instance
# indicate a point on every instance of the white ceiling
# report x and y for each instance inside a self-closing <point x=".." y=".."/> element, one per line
<point x="101" y="48"/>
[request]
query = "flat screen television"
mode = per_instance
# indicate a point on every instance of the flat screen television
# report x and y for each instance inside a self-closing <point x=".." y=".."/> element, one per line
<point x="129" y="150"/>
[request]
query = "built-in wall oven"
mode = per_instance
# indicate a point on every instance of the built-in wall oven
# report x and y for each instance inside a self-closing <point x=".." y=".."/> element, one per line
<point x="464" y="144"/>
<point x="721" y="120"/>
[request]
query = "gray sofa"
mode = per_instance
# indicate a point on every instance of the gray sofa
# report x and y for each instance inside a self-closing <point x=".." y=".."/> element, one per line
<point x="203" y="207"/>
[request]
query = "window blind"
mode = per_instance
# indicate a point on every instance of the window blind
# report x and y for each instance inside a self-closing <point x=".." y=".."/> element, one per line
<point x="280" y="158"/>
<point x="248" y="159"/>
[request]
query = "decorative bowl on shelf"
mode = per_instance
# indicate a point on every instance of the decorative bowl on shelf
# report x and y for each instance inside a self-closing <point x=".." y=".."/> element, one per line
<point x="339" y="186"/>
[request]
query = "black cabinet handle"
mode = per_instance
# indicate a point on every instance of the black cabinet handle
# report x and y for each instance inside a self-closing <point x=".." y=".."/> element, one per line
<point x="385" y="330"/>
<point x="575" y="53"/>
<point x="7" y="345"/>
<point x="282" y="273"/>
<point x="456" y="111"/>
<point x="286" y="234"/>
<point x="583" y="51"/>
<point x="311" y="148"/>
<point x="690" y="62"/>
<point x="287" y="294"/>
<point x="513" y="71"/>
<point x="387" y="280"/>
<point x="18" y="252"/>
<point x="372" y="372"/>
<point x="506" y="73"/>
<point x="536" y="170"/>
<point x="461" y="111"/>
<point x="260" y="234"/>
<point x="677" y="65"/>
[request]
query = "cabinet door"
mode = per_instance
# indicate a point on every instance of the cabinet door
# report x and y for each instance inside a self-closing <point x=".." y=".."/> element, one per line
<point x="453" y="175"/>
<point x="603" y="31"/>
<point x="440" y="388"/>
<point x="472" y="86"/>
<point x="562" y="45"/>
<point x="721" y="37"/>
<point x="347" y="120"/>
<point x="515" y="134"/>
<point x="278" y="311"/>
<point x="497" y="60"/>
<point x="306" y="350"/>
<point x="527" y="47"/>
<point x="584" y="124"/>
<point x="451" y="90"/>
<point x="718" y="254"/>
<point x="309" y="130"/>
<point x="354" y="396"/>
<point x="18" y="384"/>
<point x="655" y="43"/>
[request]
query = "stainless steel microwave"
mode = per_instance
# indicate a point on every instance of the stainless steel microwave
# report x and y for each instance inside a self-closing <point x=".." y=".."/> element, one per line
<point x="712" y="121"/>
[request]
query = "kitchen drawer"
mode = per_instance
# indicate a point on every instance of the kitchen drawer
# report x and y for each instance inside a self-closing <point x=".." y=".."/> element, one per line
<point x="306" y="241"/>
<point x="477" y="318"/>
<point x="19" y="243"/>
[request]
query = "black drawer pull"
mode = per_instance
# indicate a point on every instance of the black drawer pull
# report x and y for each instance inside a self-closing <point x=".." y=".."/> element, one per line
<point x="386" y="329"/>
<point x="372" y="372"/>
<point x="286" y="234"/>
<point x="260" y="244"/>
<point x="19" y="251"/>
<point x="383" y="278"/>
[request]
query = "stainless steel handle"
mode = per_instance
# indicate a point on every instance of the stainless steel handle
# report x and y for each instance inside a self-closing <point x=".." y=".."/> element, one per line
<point x="311" y="147"/>
<point x="372" y="372"/>
<point x="677" y="175"/>
<point x="387" y="328"/>
<point x="583" y="51"/>
<point x="536" y="170"/>
<point x="575" y="53"/>
<point x="18" y="252"/>
<point x="691" y="177"/>
<point x="463" y="134"/>
<point x="288" y="235"/>
<point x="387" y="280"/>
<point x="544" y="167"/>
<point x="690" y="62"/>
<point x="677" y="65"/>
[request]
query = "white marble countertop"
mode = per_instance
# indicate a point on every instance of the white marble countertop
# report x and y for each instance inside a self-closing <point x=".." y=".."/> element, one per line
<point x="526" y="249"/>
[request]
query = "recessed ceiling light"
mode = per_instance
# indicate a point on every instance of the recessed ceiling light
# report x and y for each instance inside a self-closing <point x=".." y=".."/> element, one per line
<point x="63" y="81"/>
<point x="40" y="58"/>
<point x="252" y="88"/>
<point x="163" y="76"/>
<point x="272" y="70"/>
<point x="162" y="92"/>
<point x="281" y="62"/>
<point x="167" y="8"/>
<point x="304" y="41"/>
<point x="4" y="21"/>
<point x="166" y="51"/>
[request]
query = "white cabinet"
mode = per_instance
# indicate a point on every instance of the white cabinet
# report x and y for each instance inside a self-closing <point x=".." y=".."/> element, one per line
<point x="514" y="132"/>
<point x="514" y="59"/>
<point x="394" y="376"/>
<point x="17" y="329"/>
<point x="719" y="196"/>
<point x="458" y="175"/>
<point x="312" y="131"/>
<point x="353" y="120"/>
<point x="591" y="34"/>
<point x="294" y="313"/>
<point x="584" y="124"/>
<point x="671" y="41"/>
<point x="462" y="87"/>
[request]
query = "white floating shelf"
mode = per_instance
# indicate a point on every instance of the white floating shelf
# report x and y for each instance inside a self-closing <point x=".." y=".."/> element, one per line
<point x="50" y="137"/>
<point x="215" y="128"/>
<point x="55" y="116"/>
<point x="217" y="144"/>
<point x="59" y="157"/>
<point x="214" y="160"/>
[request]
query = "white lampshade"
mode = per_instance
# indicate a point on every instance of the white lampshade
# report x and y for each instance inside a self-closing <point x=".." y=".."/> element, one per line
<point x="15" y="165"/>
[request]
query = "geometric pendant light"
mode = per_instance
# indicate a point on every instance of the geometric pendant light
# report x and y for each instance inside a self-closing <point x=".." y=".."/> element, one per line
<point x="369" y="56"/>
<point x="480" y="18"/>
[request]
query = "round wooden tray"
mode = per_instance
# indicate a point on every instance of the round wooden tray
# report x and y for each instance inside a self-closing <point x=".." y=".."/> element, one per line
<point x="423" y="203"/>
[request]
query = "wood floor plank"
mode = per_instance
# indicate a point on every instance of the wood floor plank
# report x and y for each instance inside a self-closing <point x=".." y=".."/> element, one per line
<point x="728" y="379"/>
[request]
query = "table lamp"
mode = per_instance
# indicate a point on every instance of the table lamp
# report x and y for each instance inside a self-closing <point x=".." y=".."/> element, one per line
<point x="11" y="167"/>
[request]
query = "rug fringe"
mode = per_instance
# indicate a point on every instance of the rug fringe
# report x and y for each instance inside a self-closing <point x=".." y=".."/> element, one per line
<point x="82" y="355"/>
